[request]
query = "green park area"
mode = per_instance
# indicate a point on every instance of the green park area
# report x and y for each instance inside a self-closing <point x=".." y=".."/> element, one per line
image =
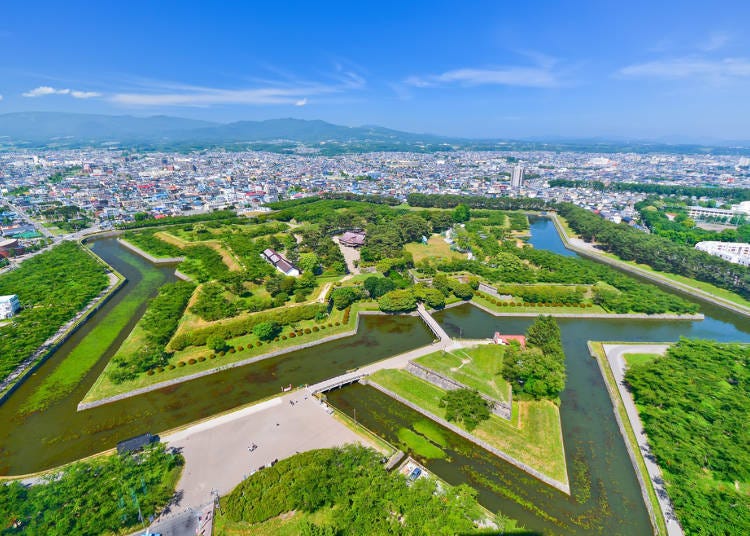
<point x="533" y="435"/>
<point x="475" y="367"/>
<point x="104" y="495"/>
<point x="49" y="298"/>
<point x="243" y="308"/>
<point x="347" y="491"/>
<point x="698" y="431"/>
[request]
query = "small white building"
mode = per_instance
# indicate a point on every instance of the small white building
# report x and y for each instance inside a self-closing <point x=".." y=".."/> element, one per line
<point x="280" y="263"/>
<point x="9" y="306"/>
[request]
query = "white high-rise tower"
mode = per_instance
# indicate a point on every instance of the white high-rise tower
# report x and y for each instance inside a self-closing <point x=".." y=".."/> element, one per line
<point x="516" y="179"/>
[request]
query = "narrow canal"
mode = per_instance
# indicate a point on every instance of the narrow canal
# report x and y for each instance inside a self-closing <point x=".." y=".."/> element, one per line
<point x="35" y="441"/>
<point x="605" y="495"/>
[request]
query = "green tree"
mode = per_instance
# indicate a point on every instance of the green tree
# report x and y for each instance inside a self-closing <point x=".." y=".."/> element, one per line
<point x="431" y="297"/>
<point x="441" y="282"/>
<point x="343" y="297"/>
<point x="462" y="290"/>
<point x="309" y="263"/>
<point x="397" y="301"/>
<point x="544" y="333"/>
<point x="216" y="343"/>
<point x="266" y="331"/>
<point x="377" y="286"/>
<point x="461" y="213"/>
<point x="465" y="406"/>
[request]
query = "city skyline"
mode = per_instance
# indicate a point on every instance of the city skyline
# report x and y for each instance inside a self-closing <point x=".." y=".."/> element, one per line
<point x="670" y="72"/>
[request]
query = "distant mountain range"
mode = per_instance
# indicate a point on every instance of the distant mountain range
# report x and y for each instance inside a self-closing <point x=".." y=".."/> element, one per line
<point x="72" y="130"/>
<point x="46" y="128"/>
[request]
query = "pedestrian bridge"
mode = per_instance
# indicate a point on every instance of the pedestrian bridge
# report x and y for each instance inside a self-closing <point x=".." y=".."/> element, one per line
<point x="432" y="324"/>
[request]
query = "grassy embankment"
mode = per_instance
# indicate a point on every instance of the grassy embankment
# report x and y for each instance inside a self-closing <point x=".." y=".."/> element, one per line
<point x="619" y="408"/>
<point x="484" y="302"/>
<point x="700" y="285"/>
<point x="638" y="359"/>
<point x="533" y="435"/>
<point x="231" y="261"/>
<point x="69" y="373"/>
<point x="252" y="347"/>
<point x="476" y="367"/>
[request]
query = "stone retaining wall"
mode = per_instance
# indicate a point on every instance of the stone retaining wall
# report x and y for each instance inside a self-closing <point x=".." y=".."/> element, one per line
<point x="501" y="409"/>
<point x="651" y="276"/>
<point x="492" y="291"/>
<point x="614" y="396"/>
<point x="564" y="487"/>
<point x="155" y="260"/>
<point x="639" y="316"/>
<point x="174" y="381"/>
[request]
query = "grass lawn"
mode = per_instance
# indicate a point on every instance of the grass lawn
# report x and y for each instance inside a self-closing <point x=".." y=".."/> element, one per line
<point x="231" y="261"/>
<point x="288" y="524"/>
<point x="436" y="248"/>
<point x="69" y="373"/>
<point x="104" y="387"/>
<point x="476" y="367"/>
<point x="638" y="359"/>
<point x="479" y="299"/>
<point x="609" y="379"/>
<point x="533" y="436"/>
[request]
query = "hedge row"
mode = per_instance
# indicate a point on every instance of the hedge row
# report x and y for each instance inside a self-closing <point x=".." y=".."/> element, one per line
<point x="503" y="303"/>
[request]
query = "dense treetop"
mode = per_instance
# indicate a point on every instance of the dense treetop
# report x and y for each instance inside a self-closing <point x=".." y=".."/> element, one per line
<point x="695" y="407"/>
<point x="52" y="287"/>
<point x="362" y="497"/>
<point x="92" y="497"/>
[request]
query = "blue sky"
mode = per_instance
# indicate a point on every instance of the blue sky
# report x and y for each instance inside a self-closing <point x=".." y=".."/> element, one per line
<point x="650" y="70"/>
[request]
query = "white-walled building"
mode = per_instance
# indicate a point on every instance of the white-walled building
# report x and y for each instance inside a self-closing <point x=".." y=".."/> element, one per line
<point x="736" y="252"/>
<point x="9" y="306"/>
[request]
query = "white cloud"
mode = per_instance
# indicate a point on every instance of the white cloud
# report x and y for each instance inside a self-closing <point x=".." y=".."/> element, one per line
<point x="689" y="67"/>
<point x="291" y="93"/>
<point x="715" y="42"/>
<point x="541" y="76"/>
<point x="1" y="97"/>
<point x="85" y="94"/>
<point x="43" y="91"/>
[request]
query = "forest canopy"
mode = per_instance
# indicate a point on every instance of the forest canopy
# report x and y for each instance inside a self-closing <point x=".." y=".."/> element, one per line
<point x="695" y="407"/>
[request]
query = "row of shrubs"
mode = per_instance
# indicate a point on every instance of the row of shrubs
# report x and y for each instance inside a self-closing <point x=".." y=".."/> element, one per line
<point x="232" y="350"/>
<point x="243" y="325"/>
<point x="503" y="303"/>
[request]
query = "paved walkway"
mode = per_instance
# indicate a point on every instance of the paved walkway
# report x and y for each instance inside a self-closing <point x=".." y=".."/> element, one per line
<point x="351" y="256"/>
<point x="217" y="452"/>
<point x="614" y="353"/>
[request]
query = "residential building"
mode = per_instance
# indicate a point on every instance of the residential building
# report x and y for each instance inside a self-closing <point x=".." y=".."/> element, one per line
<point x="735" y="252"/>
<point x="516" y="179"/>
<point x="9" y="306"/>
<point x="280" y="263"/>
